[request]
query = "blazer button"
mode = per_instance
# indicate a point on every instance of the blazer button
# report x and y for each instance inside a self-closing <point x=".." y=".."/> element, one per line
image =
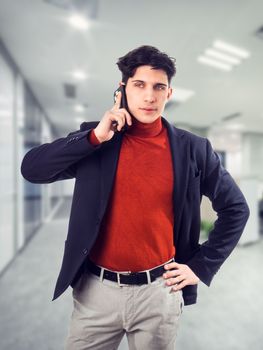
<point x="85" y="251"/>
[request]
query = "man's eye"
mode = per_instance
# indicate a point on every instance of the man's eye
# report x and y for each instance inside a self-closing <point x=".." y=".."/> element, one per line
<point x="160" y="87"/>
<point x="138" y="84"/>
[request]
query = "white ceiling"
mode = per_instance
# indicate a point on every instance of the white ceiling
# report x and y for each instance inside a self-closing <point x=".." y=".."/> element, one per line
<point x="47" y="49"/>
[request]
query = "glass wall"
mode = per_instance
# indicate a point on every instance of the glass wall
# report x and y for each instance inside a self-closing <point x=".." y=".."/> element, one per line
<point x="7" y="179"/>
<point x="32" y="192"/>
<point x="23" y="124"/>
<point x="18" y="154"/>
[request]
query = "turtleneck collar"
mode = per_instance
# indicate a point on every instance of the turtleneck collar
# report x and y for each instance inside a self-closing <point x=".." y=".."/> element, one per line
<point x="145" y="129"/>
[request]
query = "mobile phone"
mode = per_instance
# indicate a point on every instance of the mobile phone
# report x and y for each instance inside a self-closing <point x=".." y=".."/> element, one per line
<point x="123" y="104"/>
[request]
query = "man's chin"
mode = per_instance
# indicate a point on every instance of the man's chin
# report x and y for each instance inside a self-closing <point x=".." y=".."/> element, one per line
<point x="146" y="119"/>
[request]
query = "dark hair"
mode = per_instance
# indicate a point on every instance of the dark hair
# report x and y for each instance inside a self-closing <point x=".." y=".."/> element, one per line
<point x="146" y="55"/>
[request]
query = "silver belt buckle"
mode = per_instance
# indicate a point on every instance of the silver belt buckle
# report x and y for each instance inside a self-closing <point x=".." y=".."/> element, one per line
<point x="118" y="278"/>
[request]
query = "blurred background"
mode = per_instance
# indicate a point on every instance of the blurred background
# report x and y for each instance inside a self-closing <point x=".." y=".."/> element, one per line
<point x="58" y="69"/>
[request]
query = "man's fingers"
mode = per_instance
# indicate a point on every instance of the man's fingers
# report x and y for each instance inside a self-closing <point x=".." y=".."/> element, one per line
<point x="121" y="116"/>
<point x="173" y="265"/>
<point x="180" y="285"/>
<point x="171" y="273"/>
<point x="118" y="120"/>
<point x="116" y="108"/>
<point x="117" y="103"/>
<point x="178" y="279"/>
<point x="126" y="117"/>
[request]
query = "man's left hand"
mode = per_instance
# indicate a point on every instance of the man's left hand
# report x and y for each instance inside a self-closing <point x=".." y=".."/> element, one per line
<point x="180" y="277"/>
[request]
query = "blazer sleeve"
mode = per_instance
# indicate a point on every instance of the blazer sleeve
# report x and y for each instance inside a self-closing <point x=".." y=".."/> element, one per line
<point x="57" y="160"/>
<point x="232" y="212"/>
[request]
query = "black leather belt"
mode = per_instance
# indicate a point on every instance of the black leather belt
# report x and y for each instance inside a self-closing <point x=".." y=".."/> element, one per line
<point x="127" y="278"/>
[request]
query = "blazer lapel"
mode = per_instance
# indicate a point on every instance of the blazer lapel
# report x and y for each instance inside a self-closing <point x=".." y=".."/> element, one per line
<point x="180" y="149"/>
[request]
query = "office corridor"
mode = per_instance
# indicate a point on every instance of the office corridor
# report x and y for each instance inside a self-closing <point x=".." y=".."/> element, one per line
<point x="191" y="66"/>
<point x="228" y="314"/>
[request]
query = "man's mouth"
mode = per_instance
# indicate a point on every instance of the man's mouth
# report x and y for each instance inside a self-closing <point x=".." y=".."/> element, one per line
<point x="149" y="109"/>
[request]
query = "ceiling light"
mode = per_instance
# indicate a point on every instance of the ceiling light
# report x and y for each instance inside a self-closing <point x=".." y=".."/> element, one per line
<point x="214" y="63"/>
<point x="79" y="22"/>
<point x="222" y="56"/>
<point x="181" y="95"/>
<point x="79" y="108"/>
<point x="237" y="127"/>
<point x="218" y="44"/>
<point x="79" y="74"/>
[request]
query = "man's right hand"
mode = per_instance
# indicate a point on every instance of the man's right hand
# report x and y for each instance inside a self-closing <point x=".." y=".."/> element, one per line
<point x="105" y="130"/>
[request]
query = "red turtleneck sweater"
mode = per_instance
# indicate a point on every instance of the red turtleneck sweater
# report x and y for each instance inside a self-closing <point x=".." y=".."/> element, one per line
<point x="137" y="230"/>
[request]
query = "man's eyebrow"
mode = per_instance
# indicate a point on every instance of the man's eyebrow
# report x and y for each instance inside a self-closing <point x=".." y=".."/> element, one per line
<point x="161" y="84"/>
<point x="141" y="81"/>
<point x="138" y="81"/>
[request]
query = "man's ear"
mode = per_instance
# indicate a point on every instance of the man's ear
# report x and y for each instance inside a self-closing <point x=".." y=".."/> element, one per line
<point x="121" y="83"/>
<point x="169" y="94"/>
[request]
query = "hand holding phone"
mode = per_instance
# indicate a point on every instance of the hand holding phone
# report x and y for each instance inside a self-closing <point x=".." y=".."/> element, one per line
<point x="123" y="104"/>
<point x="113" y="120"/>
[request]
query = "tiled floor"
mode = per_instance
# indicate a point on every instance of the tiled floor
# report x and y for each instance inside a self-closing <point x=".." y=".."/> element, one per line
<point x="228" y="315"/>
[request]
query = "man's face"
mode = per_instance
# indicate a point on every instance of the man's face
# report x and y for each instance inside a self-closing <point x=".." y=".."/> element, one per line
<point x="147" y="93"/>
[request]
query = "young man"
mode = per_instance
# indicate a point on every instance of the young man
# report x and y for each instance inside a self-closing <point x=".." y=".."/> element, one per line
<point x="132" y="254"/>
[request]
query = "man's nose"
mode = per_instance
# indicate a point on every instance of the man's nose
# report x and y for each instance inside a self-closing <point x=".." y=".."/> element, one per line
<point x="149" y="96"/>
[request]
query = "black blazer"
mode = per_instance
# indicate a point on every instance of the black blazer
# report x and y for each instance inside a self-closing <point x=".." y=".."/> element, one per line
<point x="197" y="172"/>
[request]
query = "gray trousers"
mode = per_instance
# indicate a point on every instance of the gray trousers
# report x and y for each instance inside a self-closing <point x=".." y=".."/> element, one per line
<point x="104" y="311"/>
